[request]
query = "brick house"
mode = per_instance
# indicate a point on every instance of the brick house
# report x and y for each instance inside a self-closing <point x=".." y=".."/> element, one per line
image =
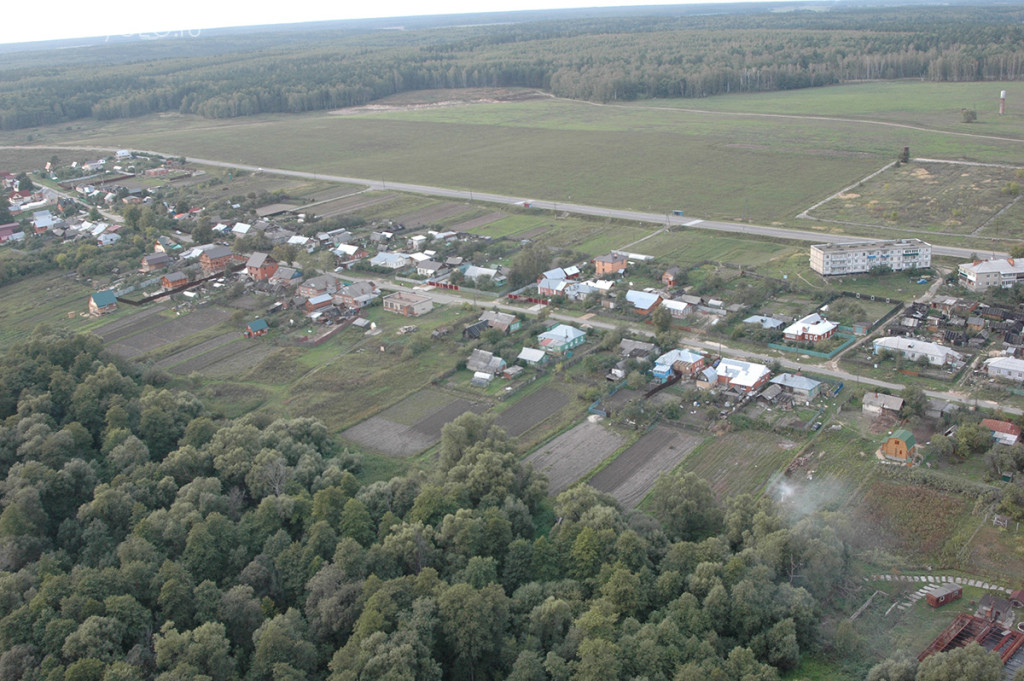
<point x="260" y="266"/>
<point x="613" y="263"/>
<point x="255" y="328"/>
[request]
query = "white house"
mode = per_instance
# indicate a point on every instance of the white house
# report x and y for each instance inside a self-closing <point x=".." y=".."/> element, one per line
<point x="391" y="261"/>
<point x="914" y="349"/>
<point x="811" y="328"/>
<point x="1008" y="368"/>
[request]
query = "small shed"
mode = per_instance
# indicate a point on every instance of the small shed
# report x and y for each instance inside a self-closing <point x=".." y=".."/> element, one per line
<point x="941" y="594"/>
<point x="257" y="327"/>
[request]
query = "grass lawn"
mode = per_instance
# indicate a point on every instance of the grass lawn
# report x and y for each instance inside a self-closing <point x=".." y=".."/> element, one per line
<point x="50" y="298"/>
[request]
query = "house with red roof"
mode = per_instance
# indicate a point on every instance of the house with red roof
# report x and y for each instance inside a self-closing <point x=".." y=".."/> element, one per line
<point x="1003" y="432"/>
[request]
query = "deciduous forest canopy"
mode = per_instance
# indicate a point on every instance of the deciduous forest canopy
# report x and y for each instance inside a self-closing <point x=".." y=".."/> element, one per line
<point x="142" y="537"/>
<point x="600" y="59"/>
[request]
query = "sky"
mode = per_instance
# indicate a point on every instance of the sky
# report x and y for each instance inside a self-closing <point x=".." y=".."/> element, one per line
<point x="80" y="18"/>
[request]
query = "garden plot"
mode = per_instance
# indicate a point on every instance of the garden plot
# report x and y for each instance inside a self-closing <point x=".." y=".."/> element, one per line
<point x="633" y="473"/>
<point x="170" y="331"/>
<point x="350" y="204"/>
<point x="391" y="433"/>
<point x="127" y="326"/>
<point x="475" y="223"/>
<point x="196" y="350"/>
<point x="531" y="410"/>
<point x="431" y="215"/>
<point x="572" y="454"/>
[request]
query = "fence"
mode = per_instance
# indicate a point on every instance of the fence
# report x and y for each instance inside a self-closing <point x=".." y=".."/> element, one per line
<point x="814" y="353"/>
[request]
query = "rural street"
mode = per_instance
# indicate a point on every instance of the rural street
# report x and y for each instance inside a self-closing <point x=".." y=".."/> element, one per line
<point x="446" y="298"/>
<point x="575" y="208"/>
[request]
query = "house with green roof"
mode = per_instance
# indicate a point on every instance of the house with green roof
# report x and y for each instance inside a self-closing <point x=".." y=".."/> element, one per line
<point x="901" y="446"/>
<point x="257" y="327"/>
<point x="102" y="302"/>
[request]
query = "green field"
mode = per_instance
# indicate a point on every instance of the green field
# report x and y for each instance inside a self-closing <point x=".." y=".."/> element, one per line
<point x="52" y="299"/>
<point x="947" y="198"/>
<point x="740" y="462"/>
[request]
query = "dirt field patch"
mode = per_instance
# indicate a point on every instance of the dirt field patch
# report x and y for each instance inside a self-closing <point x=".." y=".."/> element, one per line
<point x="127" y="326"/>
<point x="170" y="331"/>
<point x="915" y="521"/>
<point x="431" y="215"/>
<point x="572" y="454"/>
<point x="632" y="475"/>
<point x="531" y="410"/>
<point x="196" y="350"/>
<point x="350" y="204"/>
<point x="386" y="434"/>
<point x="470" y="225"/>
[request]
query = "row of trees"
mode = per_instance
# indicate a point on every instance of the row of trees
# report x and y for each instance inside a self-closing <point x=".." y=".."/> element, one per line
<point x="600" y="59"/>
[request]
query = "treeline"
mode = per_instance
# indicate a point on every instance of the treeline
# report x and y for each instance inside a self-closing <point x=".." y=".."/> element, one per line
<point x="142" y="537"/>
<point x="596" y="59"/>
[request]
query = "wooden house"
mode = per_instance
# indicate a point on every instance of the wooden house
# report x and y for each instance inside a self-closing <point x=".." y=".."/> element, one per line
<point x="216" y="259"/>
<point x="900" y="446"/>
<point x="174" y="280"/>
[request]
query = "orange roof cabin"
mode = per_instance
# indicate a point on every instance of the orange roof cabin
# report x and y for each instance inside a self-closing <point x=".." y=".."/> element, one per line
<point x="900" y="446"/>
<point x="613" y="263"/>
<point x="102" y="302"/>
<point x="261" y="266"/>
<point x="257" y="327"/>
<point x="174" y="280"/>
<point x="941" y="594"/>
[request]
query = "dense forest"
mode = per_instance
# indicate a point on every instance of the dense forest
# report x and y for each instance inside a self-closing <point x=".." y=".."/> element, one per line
<point x="600" y="59"/>
<point x="142" y="538"/>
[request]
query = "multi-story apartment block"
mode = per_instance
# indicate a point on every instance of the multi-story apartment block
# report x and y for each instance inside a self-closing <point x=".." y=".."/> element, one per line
<point x="862" y="256"/>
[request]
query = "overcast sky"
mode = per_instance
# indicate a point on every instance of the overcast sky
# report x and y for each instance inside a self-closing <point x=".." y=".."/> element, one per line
<point x="81" y="18"/>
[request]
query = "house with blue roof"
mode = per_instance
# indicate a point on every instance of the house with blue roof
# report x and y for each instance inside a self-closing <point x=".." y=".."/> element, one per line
<point x="679" y="361"/>
<point x="642" y="301"/>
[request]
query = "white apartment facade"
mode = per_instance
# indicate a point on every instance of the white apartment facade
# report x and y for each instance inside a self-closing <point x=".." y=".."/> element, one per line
<point x="861" y="256"/>
<point x="984" y="274"/>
